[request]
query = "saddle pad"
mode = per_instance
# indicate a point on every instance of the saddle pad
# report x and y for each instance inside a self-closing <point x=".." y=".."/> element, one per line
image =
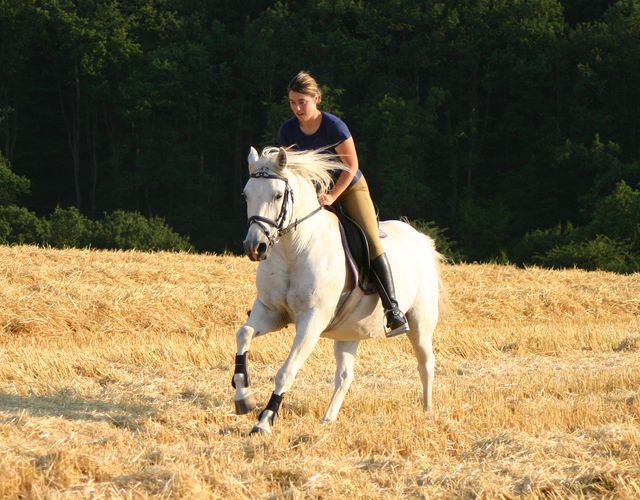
<point x="356" y="249"/>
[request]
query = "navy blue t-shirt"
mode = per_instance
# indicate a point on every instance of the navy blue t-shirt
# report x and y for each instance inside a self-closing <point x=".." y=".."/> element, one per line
<point x="332" y="132"/>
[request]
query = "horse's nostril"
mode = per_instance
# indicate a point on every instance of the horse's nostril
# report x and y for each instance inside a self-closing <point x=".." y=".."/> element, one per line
<point x="262" y="248"/>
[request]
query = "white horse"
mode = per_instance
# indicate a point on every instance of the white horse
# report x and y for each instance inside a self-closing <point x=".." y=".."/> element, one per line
<point x="303" y="278"/>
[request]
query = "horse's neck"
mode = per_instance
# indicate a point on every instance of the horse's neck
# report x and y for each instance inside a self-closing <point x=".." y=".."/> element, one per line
<point x="311" y="235"/>
<point x="314" y="231"/>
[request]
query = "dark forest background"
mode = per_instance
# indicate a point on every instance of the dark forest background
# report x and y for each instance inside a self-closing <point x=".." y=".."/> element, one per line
<point x="510" y="129"/>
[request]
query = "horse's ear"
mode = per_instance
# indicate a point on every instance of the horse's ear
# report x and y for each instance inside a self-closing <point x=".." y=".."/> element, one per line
<point x="281" y="160"/>
<point x="253" y="157"/>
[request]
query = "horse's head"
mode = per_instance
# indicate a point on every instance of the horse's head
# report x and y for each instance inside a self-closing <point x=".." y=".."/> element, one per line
<point x="269" y="202"/>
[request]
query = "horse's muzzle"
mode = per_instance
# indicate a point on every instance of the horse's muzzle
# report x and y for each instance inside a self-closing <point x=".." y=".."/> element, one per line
<point x="256" y="250"/>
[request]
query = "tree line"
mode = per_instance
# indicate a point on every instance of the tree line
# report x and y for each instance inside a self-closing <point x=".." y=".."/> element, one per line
<point x="507" y="128"/>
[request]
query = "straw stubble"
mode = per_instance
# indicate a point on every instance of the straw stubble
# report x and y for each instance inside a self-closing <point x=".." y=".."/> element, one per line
<point x="116" y="367"/>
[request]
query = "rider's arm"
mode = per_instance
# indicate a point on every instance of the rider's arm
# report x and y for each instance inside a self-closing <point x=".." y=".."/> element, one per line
<point x="349" y="157"/>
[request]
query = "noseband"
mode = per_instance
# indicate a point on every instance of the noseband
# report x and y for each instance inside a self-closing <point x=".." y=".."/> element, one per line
<point x="278" y="224"/>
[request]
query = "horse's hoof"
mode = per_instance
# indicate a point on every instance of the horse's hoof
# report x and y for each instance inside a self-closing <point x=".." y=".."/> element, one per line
<point x="259" y="430"/>
<point x="244" y="406"/>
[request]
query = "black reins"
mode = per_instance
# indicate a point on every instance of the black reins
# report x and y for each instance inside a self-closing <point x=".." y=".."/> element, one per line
<point x="278" y="223"/>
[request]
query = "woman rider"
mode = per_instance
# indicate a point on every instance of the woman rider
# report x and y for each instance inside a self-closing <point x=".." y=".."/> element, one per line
<point x="311" y="128"/>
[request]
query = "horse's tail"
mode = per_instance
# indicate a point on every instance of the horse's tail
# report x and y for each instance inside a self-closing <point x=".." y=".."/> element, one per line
<point x="444" y="304"/>
<point x="439" y="260"/>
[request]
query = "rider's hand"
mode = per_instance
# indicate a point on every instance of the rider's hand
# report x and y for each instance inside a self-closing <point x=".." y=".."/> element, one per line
<point x="326" y="199"/>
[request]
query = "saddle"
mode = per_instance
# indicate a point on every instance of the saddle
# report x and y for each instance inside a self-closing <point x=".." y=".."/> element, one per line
<point x="356" y="250"/>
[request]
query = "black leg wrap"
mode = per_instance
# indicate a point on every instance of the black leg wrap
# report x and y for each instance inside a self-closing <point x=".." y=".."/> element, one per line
<point x="241" y="368"/>
<point x="273" y="405"/>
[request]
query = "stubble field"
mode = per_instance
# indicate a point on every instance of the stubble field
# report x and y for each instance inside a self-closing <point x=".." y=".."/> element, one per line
<point x="115" y="371"/>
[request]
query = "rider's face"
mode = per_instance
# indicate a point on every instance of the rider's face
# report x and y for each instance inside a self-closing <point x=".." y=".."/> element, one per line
<point x="304" y="106"/>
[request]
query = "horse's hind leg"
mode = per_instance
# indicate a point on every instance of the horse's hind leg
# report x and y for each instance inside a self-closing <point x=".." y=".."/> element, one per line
<point x="423" y="321"/>
<point x="345" y="353"/>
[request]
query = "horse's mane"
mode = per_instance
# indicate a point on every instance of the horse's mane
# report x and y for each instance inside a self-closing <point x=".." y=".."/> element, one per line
<point x="315" y="166"/>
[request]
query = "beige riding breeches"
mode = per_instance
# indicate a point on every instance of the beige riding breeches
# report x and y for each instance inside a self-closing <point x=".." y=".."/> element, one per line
<point x="357" y="204"/>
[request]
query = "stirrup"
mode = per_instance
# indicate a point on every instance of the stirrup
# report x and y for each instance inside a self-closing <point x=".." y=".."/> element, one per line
<point x="398" y="323"/>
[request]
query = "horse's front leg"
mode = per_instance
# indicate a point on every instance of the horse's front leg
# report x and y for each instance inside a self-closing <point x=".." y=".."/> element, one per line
<point x="261" y="320"/>
<point x="309" y="326"/>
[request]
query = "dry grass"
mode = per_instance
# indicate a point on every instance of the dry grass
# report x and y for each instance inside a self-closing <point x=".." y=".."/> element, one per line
<point x="115" y="373"/>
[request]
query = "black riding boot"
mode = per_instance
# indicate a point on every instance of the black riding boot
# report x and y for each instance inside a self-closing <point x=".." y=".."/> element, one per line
<point x="396" y="322"/>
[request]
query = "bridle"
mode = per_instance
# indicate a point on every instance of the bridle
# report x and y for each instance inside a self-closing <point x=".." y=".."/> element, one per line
<point x="279" y="222"/>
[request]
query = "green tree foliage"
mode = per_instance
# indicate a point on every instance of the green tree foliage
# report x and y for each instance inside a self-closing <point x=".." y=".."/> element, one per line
<point x="12" y="186"/>
<point x="484" y="228"/>
<point x="601" y="253"/>
<point x="609" y="241"/>
<point x="588" y="173"/>
<point x="130" y="230"/>
<point x="501" y="121"/>
<point x="618" y="215"/>
<point x="69" y="228"/>
<point x="19" y="225"/>
<point x="538" y="242"/>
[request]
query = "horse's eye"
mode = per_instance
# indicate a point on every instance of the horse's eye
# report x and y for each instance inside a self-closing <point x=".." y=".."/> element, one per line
<point x="278" y="196"/>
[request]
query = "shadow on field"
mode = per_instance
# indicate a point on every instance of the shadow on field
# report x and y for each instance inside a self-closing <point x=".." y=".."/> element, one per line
<point x="73" y="407"/>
